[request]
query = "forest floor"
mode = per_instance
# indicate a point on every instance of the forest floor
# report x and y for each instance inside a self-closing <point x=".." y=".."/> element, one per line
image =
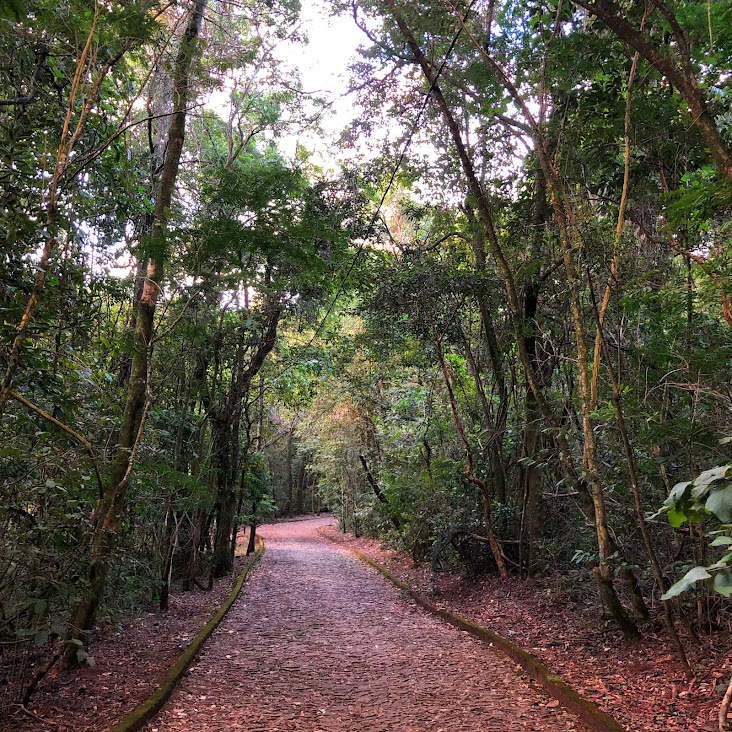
<point x="131" y="658"/>
<point x="641" y="684"/>
<point x="318" y="641"/>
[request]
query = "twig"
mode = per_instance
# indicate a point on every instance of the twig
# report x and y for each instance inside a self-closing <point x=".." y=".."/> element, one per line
<point x="724" y="708"/>
<point x="79" y="438"/>
<point x="23" y="708"/>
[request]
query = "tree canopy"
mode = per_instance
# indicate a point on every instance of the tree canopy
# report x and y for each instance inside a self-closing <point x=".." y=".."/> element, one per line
<point x="490" y="322"/>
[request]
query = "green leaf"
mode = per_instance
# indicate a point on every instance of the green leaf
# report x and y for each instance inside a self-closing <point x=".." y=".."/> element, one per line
<point x="677" y="493"/>
<point x="676" y="517"/>
<point x="723" y="563"/>
<point x="722" y="541"/>
<point x="720" y="504"/>
<point x="40" y="637"/>
<point x="723" y="582"/>
<point x="693" y="576"/>
<point x="707" y="478"/>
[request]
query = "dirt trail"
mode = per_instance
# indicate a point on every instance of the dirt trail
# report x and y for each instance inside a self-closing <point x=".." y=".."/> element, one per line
<point x="319" y="641"/>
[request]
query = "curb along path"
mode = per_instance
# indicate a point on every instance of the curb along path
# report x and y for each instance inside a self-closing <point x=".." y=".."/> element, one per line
<point x="588" y="712"/>
<point x="318" y="641"/>
<point x="146" y="710"/>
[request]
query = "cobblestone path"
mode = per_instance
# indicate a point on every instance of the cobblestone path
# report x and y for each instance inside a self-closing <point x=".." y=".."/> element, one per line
<point x="318" y="641"/>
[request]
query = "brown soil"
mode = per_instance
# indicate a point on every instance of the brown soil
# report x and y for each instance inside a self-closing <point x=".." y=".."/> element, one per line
<point x="132" y="658"/>
<point x="641" y="685"/>
<point x="320" y="642"/>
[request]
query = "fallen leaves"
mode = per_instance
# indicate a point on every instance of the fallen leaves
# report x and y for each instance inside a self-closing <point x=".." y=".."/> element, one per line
<point x="132" y="658"/>
<point x="567" y="631"/>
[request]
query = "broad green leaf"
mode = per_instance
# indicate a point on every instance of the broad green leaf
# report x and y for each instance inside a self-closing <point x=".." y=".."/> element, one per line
<point x="723" y="582"/>
<point x="676" y="517"/>
<point x="720" y="504"/>
<point x="707" y="478"/>
<point x="722" y="541"/>
<point x="677" y="493"/>
<point x="694" y="575"/>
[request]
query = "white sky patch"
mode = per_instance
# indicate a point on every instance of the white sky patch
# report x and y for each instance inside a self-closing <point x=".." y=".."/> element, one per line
<point x="332" y="46"/>
<point x="323" y="64"/>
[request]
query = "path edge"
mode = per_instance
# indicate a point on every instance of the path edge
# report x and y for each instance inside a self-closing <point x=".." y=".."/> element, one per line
<point x="589" y="713"/>
<point x="146" y="710"/>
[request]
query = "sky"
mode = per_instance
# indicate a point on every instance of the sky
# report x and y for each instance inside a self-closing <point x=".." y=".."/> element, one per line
<point x="323" y="65"/>
<point x="333" y="43"/>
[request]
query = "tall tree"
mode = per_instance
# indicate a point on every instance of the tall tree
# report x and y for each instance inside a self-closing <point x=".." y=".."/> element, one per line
<point x="109" y="511"/>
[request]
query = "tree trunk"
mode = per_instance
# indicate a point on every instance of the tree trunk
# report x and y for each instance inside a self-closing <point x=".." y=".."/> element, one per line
<point x="253" y="528"/>
<point x="84" y="615"/>
<point x="260" y="414"/>
<point x="225" y="445"/>
<point x="289" y="506"/>
<point x="376" y="488"/>
<point x="641" y="609"/>
<point x="239" y="503"/>
<point x="192" y="573"/>
<point x="170" y="539"/>
<point x="498" y="422"/>
<point x="300" y="487"/>
<point x="532" y="488"/>
<point x="486" y="218"/>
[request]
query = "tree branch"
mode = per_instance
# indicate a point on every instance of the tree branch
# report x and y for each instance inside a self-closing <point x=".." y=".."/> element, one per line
<point x="79" y="438"/>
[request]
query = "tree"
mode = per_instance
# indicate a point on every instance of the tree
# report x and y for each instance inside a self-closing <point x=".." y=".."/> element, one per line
<point x="133" y="421"/>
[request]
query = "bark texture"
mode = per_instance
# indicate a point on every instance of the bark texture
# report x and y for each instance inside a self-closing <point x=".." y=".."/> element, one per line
<point x="107" y="519"/>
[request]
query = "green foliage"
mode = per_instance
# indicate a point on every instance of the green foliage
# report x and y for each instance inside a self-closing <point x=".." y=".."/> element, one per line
<point x="708" y="494"/>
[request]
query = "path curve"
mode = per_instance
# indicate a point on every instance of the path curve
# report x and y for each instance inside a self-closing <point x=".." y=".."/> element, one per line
<point x="319" y="642"/>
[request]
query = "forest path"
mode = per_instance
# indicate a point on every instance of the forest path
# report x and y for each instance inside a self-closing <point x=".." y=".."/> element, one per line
<point x="319" y="641"/>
